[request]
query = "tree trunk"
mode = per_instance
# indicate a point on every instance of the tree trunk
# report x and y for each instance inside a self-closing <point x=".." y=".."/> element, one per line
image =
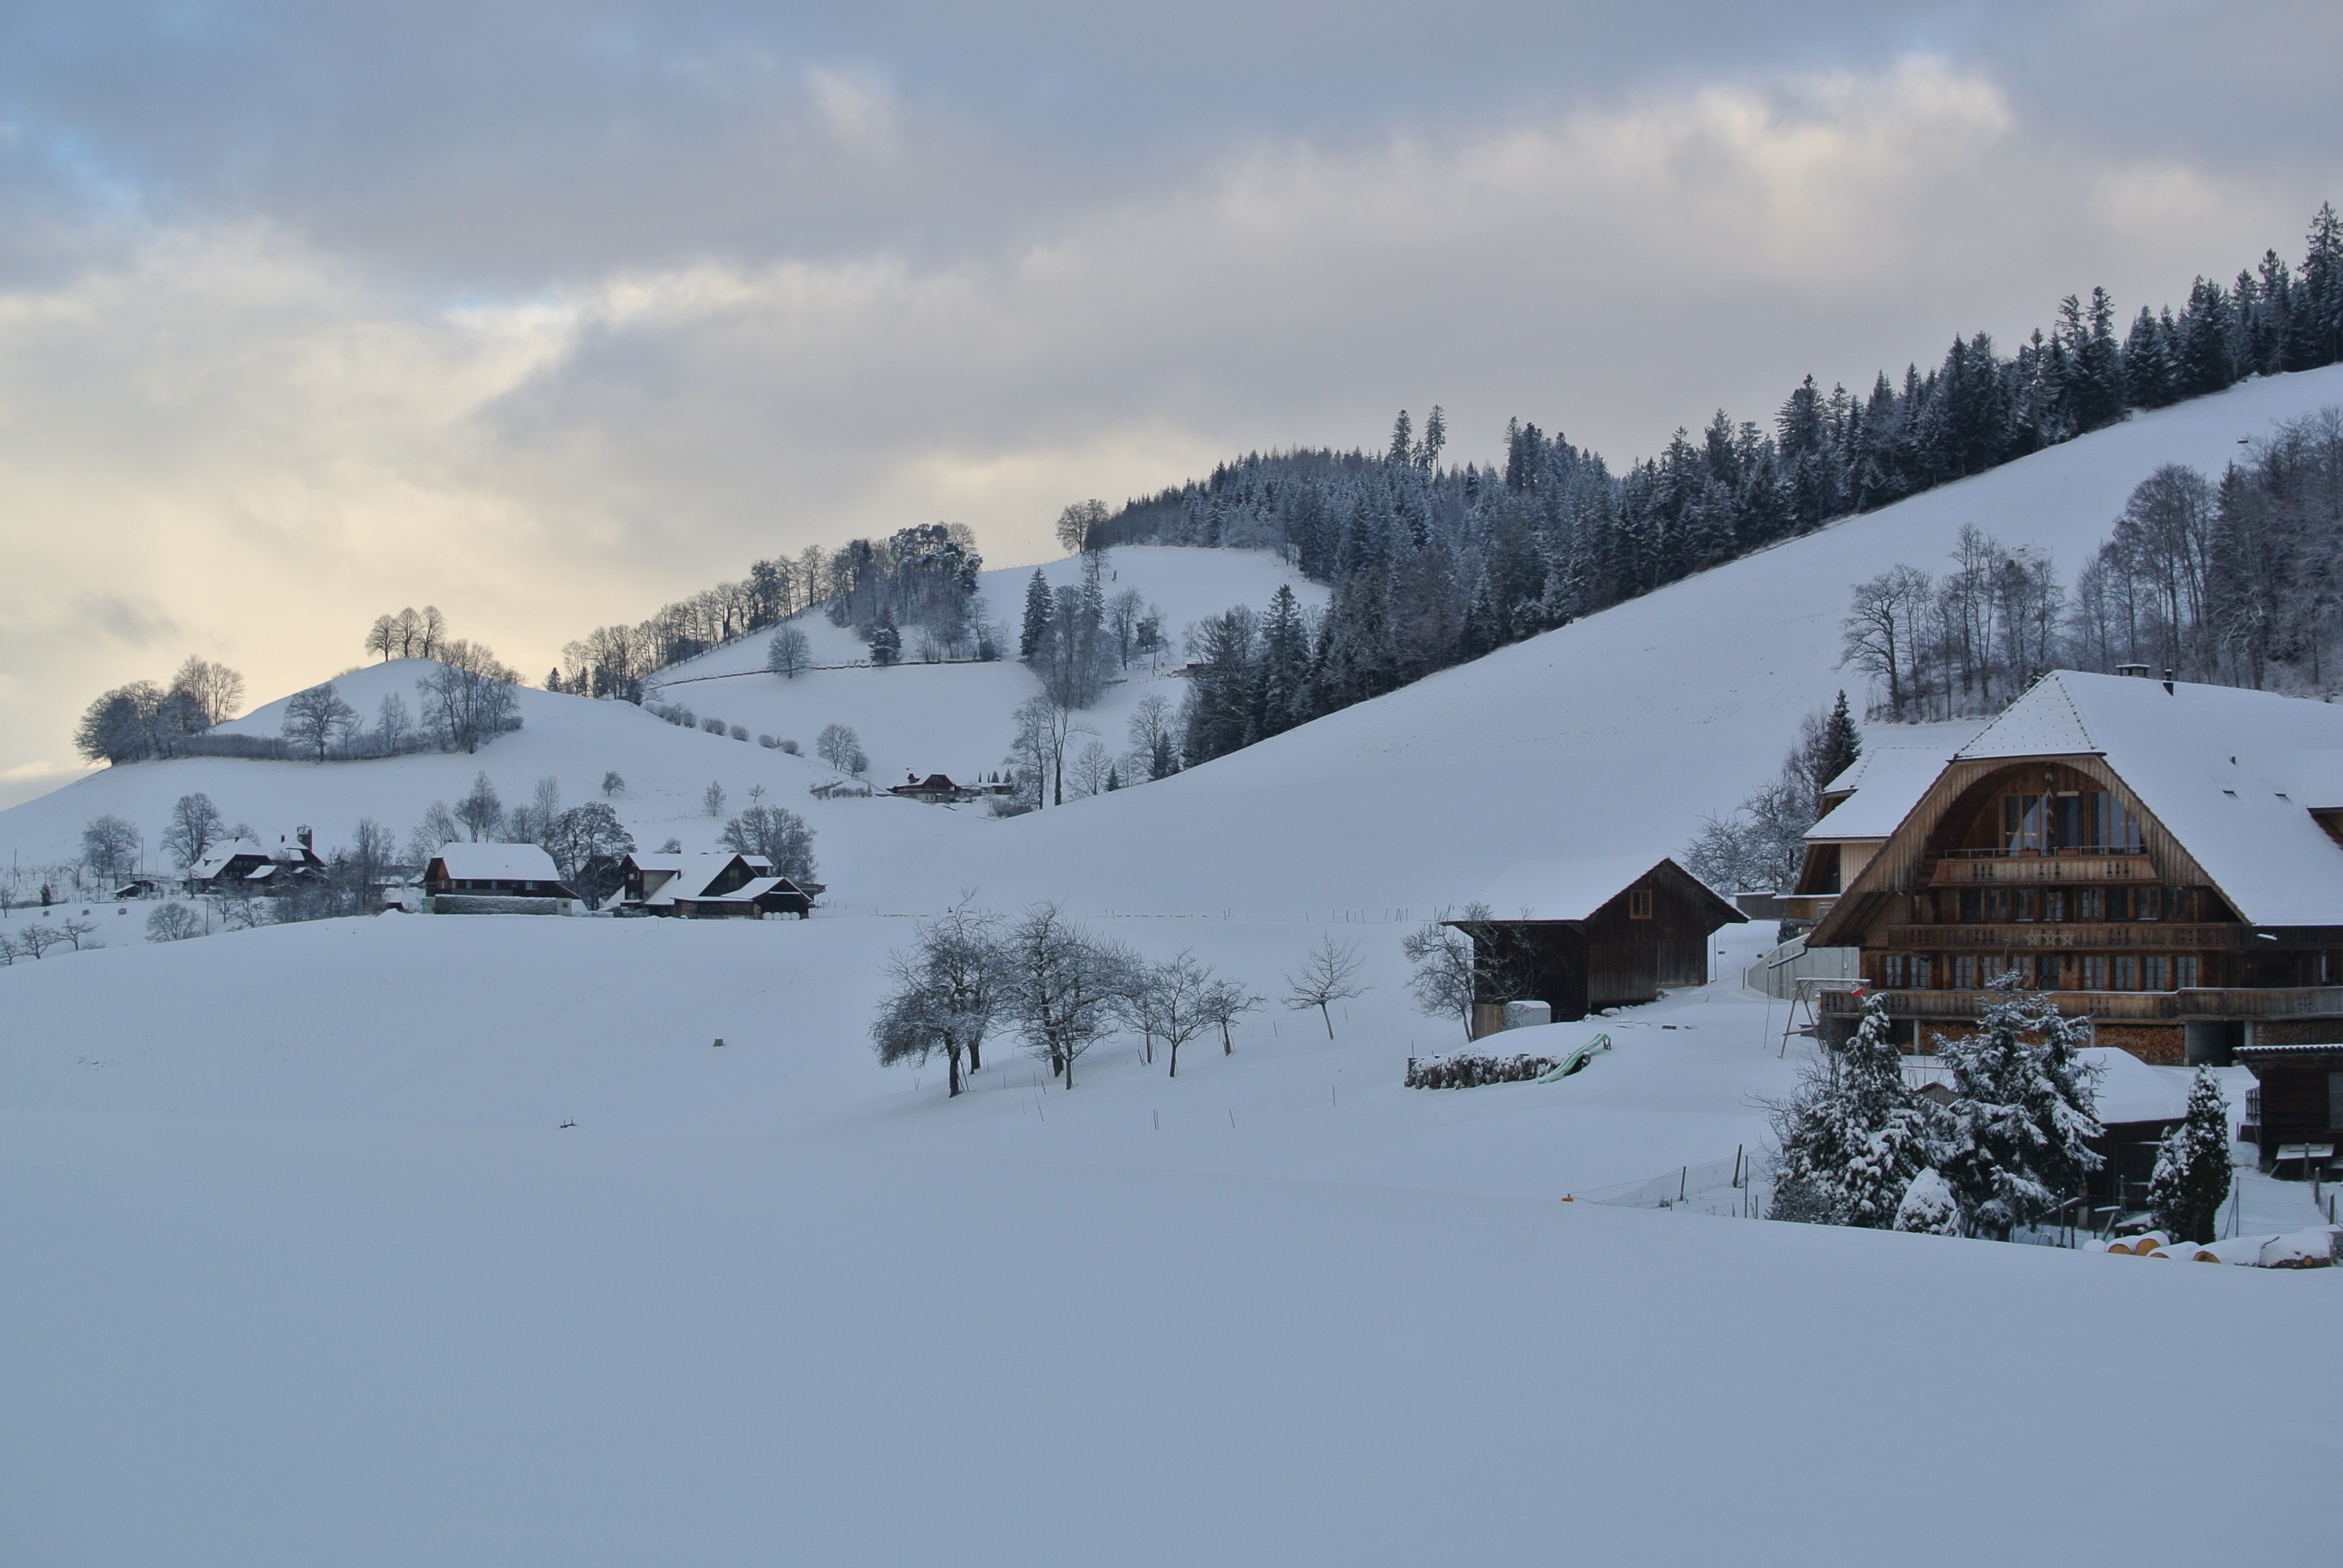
<point x="975" y="1056"/>
<point x="1175" y="1057"/>
<point x="951" y="1057"/>
<point x="1330" y="1019"/>
<point x="1226" y="1048"/>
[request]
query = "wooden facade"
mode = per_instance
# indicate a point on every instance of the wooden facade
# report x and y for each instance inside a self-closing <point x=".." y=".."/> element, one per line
<point x="2050" y="865"/>
<point x="1649" y="936"/>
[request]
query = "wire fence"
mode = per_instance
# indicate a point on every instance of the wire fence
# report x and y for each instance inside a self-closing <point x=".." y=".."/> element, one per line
<point x="1738" y="1187"/>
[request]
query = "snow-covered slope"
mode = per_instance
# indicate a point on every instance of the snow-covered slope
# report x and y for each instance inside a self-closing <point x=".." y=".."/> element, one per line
<point x="457" y="1240"/>
<point x="954" y="718"/>
<point x="1612" y="736"/>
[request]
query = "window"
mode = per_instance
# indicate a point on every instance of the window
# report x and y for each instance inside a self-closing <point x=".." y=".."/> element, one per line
<point x="2184" y="972"/>
<point x="2118" y="903"/>
<point x="2147" y="903"/>
<point x="2094" y="974"/>
<point x="1639" y="904"/>
<point x="1998" y="903"/>
<point x="2053" y="905"/>
<point x="2159" y="971"/>
<point x="2334" y="1100"/>
<point x="2126" y="974"/>
<point x="1965" y="973"/>
<point x="2091" y="904"/>
<point x="1972" y="904"/>
<point x="2027" y="900"/>
<point x="1904" y="971"/>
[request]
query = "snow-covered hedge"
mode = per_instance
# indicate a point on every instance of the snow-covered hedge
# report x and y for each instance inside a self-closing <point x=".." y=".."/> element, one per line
<point x="1470" y="1070"/>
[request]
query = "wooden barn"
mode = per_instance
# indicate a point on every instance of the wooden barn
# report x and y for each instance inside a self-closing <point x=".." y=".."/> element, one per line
<point x="494" y="878"/>
<point x="2164" y="858"/>
<point x="1593" y="934"/>
<point x="714" y="886"/>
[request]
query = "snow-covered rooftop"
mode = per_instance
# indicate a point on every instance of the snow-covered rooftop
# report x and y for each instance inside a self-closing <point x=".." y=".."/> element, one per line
<point x="2232" y="774"/>
<point x="498" y="863"/>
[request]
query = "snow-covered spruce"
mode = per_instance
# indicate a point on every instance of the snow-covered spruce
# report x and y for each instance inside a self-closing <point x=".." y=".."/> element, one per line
<point x="2016" y="1134"/>
<point x="1854" y="1135"/>
<point x="2192" y="1166"/>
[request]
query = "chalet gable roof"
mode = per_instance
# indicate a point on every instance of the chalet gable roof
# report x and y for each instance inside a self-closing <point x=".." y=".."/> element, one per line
<point x="2232" y="775"/>
<point x="695" y="872"/>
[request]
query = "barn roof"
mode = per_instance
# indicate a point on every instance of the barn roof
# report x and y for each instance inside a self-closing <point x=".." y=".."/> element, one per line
<point x="1575" y="888"/>
<point x="216" y="860"/>
<point x="497" y="863"/>
<point x="694" y="872"/>
<point x="2233" y="775"/>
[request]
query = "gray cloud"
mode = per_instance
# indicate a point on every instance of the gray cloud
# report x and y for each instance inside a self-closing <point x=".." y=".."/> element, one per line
<point x="543" y="314"/>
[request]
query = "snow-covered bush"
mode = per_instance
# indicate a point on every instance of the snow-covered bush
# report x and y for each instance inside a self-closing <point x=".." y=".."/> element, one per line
<point x="712" y="725"/>
<point x="789" y="745"/>
<point x="1929" y="1206"/>
<point x="1470" y="1070"/>
<point x="740" y="732"/>
<point x="766" y="741"/>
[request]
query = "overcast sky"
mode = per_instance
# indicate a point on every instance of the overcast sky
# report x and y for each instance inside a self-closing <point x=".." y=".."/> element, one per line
<point x="545" y="313"/>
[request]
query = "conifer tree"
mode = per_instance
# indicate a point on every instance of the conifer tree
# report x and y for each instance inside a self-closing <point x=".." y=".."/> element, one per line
<point x="2017" y="1135"/>
<point x="1854" y="1136"/>
<point x="2192" y="1166"/>
<point x="1041" y="605"/>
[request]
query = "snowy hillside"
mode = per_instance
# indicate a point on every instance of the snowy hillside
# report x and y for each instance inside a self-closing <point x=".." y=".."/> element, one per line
<point x="410" y="1239"/>
<point x="954" y="718"/>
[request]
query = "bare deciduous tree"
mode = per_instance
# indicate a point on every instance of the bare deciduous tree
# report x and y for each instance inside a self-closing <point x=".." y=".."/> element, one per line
<point x="1329" y="974"/>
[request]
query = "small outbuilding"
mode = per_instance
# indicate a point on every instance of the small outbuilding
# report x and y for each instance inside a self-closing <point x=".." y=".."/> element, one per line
<point x="719" y="886"/>
<point x="1591" y="934"/>
<point x="2298" y="1099"/>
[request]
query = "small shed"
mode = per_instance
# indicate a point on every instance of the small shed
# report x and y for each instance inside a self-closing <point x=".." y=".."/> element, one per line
<point x="2297" y="1098"/>
<point x="935" y="790"/>
<point x="1591" y="933"/>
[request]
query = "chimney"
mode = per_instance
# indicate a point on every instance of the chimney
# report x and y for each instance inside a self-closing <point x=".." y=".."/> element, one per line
<point x="2137" y="671"/>
<point x="2167" y="683"/>
<point x="302" y="834"/>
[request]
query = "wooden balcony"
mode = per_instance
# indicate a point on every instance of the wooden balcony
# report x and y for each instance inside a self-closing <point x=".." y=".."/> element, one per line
<point x="2229" y="1003"/>
<point x="2109" y="936"/>
<point x="1967" y="871"/>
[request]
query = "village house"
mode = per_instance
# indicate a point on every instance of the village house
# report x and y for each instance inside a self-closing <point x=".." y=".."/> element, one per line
<point x="494" y="878"/>
<point x="1591" y="934"/>
<point x="937" y="790"/>
<point x="2163" y="858"/>
<point x="246" y="867"/>
<point x="719" y="886"/>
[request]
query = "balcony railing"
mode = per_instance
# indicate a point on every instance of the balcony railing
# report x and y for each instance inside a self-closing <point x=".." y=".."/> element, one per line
<point x="1974" y="868"/>
<point x="2114" y="936"/>
<point x="2119" y="1006"/>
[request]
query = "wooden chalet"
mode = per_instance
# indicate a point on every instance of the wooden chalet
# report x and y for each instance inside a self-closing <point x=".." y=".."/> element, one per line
<point x="1593" y="934"/>
<point x="2163" y="858"/>
<point x="718" y="886"/>
<point x="494" y="878"/>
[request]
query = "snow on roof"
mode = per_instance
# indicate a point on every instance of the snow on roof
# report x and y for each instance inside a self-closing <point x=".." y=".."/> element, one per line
<point x="1566" y="889"/>
<point x="694" y="872"/>
<point x="2129" y="1089"/>
<point x="497" y="863"/>
<point x="748" y="892"/>
<point x="213" y="863"/>
<point x="1884" y="797"/>
<point x="2232" y="774"/>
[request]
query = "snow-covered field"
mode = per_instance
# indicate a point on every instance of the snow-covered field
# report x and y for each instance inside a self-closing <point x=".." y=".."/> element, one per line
<point x="303" y="1266"/>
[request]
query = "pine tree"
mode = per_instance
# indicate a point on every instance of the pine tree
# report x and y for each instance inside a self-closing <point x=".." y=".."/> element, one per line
<point x="1854" y="1136"/>
<point x="2192" y="1166"/>
<point x="1041" y="605"/>
<point x="1841" y="745"/>
<point x="2148" y="375"/>
<point x="2017" y="1135"/>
